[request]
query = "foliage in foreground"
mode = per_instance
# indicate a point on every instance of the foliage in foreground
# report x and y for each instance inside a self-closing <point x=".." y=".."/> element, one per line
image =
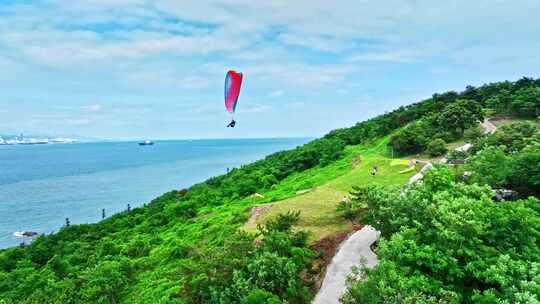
<point x="447" y="242"/>
<point x="243" y="270"/>
<point x="240" y="270"/>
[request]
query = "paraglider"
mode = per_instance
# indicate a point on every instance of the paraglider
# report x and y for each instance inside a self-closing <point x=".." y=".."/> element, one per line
<point x="233" y="82"/>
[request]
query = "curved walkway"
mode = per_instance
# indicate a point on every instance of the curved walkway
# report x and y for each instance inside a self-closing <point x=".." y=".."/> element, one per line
<point x="351" y="252"/>
<point x="488" y="126"/>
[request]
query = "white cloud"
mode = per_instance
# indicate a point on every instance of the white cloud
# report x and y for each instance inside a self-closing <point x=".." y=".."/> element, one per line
<point x="68" y="49"/>
<point x="304" y="75"/>
<point x="276" y="93"/>
<point x="92" y="108"/>
<point x="194" y="83"/>
<point x="326" y="43"/>
<point x="394" y="31"/>
<point x="257" y="109"/>
<point x="398" y="56"/>
<point x="166" y="78"/>
<point x="296" y="105"/>
<point x="78" y="121"/>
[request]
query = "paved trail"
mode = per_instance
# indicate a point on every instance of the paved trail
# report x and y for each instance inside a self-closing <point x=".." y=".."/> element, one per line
<point x="357" y="246"/>
<point x="352" y="250"/>
<point x="488" y="126"/>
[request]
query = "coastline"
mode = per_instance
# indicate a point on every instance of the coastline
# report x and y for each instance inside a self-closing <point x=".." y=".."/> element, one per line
<point x="42" y="203"/>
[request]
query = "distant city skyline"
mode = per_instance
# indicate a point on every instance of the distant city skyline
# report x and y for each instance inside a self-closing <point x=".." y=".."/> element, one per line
<point x="134" y="69"/>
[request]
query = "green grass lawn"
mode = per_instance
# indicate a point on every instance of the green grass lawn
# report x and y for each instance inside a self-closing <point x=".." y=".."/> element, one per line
<point x="330" y="184"/>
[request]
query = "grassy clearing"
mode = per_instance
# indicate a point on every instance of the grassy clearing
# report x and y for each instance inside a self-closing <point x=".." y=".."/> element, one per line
<point x="500" y="120"/>
<point x="456" y="144"/>
<point x="330" y="184"/>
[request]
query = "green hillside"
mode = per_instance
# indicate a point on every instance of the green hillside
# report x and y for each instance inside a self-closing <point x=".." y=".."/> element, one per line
<point x="197" y="245"/>
<point x="318" y="205"/>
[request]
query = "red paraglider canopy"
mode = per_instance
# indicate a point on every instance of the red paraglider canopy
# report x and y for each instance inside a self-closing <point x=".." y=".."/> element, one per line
<point x="233" y="82"/>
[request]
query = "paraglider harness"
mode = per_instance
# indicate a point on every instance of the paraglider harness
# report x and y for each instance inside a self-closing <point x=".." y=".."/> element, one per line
<point x="232" y="124"/>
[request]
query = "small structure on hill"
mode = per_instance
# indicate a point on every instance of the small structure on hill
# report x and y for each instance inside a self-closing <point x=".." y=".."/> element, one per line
<point x="504" y="195"/>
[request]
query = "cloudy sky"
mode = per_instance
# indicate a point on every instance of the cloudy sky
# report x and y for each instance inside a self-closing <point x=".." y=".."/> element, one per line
<point x="155" y="69"/>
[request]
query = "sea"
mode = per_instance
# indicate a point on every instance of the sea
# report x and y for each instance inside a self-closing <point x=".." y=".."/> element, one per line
<point x="42" y="185"/>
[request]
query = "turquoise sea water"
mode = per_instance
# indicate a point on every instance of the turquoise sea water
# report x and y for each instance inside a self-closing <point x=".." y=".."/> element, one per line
<point x="41" y="185"/>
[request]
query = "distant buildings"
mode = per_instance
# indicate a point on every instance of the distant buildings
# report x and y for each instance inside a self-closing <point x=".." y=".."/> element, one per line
<point x="21" y="140"/>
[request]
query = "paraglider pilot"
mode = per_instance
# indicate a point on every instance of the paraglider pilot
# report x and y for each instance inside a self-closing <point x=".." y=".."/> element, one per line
<point x="233" y="82"/>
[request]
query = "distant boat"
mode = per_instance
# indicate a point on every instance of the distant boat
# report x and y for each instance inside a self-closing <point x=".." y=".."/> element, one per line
<point x="146" y="143"/>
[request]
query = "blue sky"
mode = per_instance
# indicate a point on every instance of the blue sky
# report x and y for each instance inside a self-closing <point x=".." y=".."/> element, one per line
<point x="130" y="69"/>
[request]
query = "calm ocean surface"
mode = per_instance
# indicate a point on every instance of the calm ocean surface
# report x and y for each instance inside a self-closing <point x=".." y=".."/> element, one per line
<point x="41" y="185"/>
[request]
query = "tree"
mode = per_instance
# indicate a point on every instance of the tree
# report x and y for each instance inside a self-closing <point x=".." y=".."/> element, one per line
<point x="351" y="208"/>
<point x="460" y="115"/>
<point x="437" y="147"/>
<point x="501" y="102"/>
<point x="527" y="102"/>
<point x="473" y="133"/>
<point x="457" y="157"/>
<point x="524" y="176"/>
<point x="411" y="139"/>
<point x="491" y="166"/>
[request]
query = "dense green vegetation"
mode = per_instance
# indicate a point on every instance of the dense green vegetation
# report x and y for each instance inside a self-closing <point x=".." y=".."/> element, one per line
<point x="445" y="241"/>
<point x="449" y="115"/>
<point x="509" y="158"/>
<point x="187" y="247"/>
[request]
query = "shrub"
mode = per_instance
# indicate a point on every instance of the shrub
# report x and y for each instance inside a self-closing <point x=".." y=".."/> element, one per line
<point x="491" y="166"/>
<point x="260" y="296"/>
<point x="524" y="175"/>
<point x="471" y="134"/>
<point x="457" y="157"/>
<point x="437" y="147"/>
